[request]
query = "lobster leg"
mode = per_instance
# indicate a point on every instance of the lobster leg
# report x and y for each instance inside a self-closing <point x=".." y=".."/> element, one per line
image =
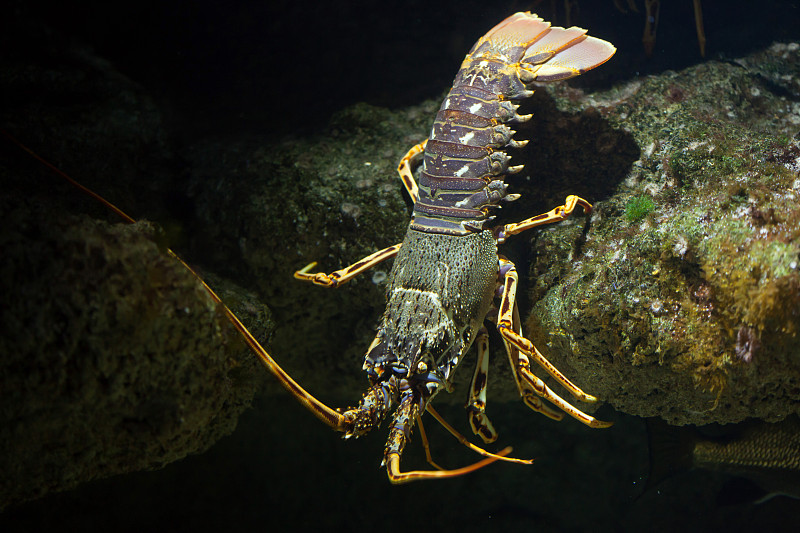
<point x="554" y="215"/>
<point x="461" y="439"/>
<point x="399" y="434"/>
<point x="404" y="169"/>
<point x="650" y="25"/>
<point x="334" y="279"/>
<point x="528" y="394"/>
<point x="397" y="477"/>
<point x="698" y="23"/>
<point x="525" y="348"/>
<point x="425" y="445"/>
<point x="480" y="423"/>
<point x="339" y="277"/>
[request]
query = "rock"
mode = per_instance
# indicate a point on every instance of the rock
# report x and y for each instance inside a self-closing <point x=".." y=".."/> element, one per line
<point x="115" y="358"/>
<point x="687" y="308"/>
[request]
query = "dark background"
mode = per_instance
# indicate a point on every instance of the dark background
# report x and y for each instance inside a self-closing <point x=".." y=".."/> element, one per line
<point x="278" y="67"/>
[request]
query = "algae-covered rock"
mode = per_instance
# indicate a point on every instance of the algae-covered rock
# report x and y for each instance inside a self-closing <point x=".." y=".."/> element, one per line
<point x="114" y="357"/>
<point x="683" y="300"/>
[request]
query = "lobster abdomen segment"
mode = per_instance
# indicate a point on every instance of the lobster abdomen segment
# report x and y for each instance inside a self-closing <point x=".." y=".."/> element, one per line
<point x="465" y="161"/>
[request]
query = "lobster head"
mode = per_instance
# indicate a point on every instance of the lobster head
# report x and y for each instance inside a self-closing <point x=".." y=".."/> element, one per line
<point x="439" y="291"/>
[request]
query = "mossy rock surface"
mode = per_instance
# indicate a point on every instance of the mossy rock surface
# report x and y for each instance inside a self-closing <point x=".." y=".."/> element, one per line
<point x="690" y="311"/>
<point x="115" y="358"/>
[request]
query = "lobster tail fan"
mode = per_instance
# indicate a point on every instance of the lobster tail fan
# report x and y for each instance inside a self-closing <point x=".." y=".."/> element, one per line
<point x="519" y="29"/>
<point x="575" y="59"/>
<point x="545" y="53"/>
<point x="565" y="53"/>
<point x="550" y="43"/>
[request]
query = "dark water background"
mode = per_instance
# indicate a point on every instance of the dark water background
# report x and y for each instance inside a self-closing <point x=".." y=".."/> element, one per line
<point x="237" y="67"/>
<point x="280" y="67"/>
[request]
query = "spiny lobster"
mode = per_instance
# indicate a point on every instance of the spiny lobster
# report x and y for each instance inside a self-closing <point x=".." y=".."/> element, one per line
<point x="447" y="271"/>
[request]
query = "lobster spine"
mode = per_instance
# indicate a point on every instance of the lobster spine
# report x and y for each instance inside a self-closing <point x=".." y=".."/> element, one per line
<point x="465" y="163"/>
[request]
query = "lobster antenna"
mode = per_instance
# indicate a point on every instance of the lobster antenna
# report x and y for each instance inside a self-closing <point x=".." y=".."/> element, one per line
<point x="119" y="212"/>
<point x="477" y="449"/>
<point x="333" y="418"/>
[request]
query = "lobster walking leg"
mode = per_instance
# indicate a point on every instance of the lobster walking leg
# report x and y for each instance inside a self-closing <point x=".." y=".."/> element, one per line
<point x="529" y="396"/>
<point x="423" y="436"/>
<point x="505" y="324"/>
<point x="463" y="440"/>
<point x="399" y="434"/>
<point x="397" y="477"/>
<point x="480" y="423"/>
<point x="404" y="169"/>
<point x="341" y="276"/>
<point x="334" y="279"/>
<point x="554" y="215"/>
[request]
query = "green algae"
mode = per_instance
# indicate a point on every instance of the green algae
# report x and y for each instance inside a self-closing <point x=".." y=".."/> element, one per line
<point x="638" y="207"/>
